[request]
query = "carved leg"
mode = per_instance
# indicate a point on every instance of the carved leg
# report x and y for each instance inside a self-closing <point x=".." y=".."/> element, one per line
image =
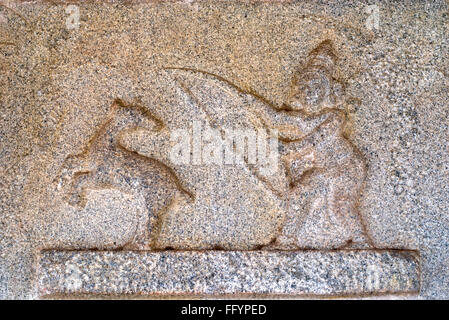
<point x="302" y="200"/>
<point x="77" y="193"/>
<point x="348" y="182"/>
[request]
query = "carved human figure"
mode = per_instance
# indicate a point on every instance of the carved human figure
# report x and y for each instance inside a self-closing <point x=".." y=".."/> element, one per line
<point x="326" y="172"/>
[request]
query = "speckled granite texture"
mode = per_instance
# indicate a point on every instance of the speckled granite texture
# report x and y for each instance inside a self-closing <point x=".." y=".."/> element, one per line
<point x="342" y="272"/>
<point x="112" y="112"/>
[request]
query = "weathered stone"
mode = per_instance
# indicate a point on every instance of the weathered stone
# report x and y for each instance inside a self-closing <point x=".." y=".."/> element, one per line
<point x="229" y="272"/>
<point x="123" y="127"/>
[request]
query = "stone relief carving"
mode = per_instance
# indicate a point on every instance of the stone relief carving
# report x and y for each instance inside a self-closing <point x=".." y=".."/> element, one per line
<point x="311" y="198"/>
<point x="105" y="163"/>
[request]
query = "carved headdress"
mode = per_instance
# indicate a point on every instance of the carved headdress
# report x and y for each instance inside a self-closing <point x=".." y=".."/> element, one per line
<point x="322" y="57"/>
<point x="313" y="87"/>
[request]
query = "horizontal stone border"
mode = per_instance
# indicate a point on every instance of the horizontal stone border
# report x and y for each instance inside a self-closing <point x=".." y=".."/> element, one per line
<point x="293" y="273"/>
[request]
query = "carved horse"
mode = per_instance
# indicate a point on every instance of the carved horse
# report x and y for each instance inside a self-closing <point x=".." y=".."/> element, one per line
<point x="104" y="163"/>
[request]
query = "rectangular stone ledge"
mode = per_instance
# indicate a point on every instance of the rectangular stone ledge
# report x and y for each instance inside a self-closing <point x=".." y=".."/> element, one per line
<point x="344" y="272"/>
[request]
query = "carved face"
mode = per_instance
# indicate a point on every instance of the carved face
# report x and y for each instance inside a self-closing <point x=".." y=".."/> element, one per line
<point x="315" y="90"/>
<point x="311" y="91"/>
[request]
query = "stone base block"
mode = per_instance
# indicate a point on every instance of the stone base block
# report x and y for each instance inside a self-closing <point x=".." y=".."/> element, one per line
<point x="343" y="272"/>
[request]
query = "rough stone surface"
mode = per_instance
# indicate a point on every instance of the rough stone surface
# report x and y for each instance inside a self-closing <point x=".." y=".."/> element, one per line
<point x="356" y="93"/>
<point x="228" y="272"/>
